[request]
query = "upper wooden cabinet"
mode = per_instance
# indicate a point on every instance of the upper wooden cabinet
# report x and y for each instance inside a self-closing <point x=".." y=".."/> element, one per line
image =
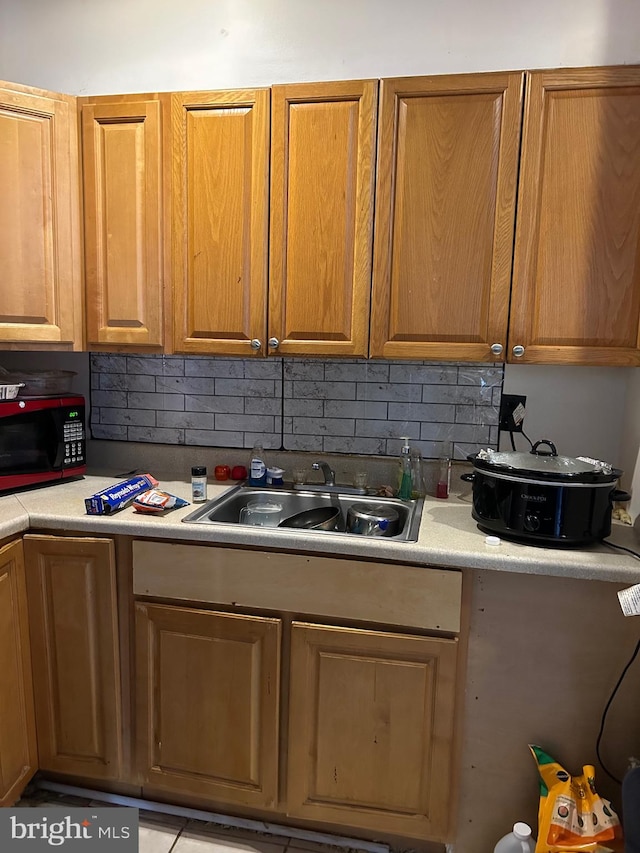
<point x="241" y="222"/>
<point x="576" y="286"/>
<point x="18" y="753"/>
<point x="41" y="303"/>
<point x="123" y="221"/>
<point x="219" y="218"/>
<point x="322" y="176"/>
<point x="445" y="210"/>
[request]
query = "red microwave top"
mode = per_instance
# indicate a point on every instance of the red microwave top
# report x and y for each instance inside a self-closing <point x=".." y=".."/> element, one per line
<point x="8" y="408"/>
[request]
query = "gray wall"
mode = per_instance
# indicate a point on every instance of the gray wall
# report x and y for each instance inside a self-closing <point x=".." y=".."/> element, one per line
<point x="139" y="45"/>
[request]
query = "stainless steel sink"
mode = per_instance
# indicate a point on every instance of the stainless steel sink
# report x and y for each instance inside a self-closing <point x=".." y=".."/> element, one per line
<point x="226" y="509"/>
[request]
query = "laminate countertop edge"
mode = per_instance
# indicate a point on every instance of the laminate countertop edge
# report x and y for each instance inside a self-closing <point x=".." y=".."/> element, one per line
<point x="448" y="536"/>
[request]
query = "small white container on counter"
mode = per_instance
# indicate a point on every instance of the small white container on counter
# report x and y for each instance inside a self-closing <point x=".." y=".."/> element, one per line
<point x="274" y="476"/>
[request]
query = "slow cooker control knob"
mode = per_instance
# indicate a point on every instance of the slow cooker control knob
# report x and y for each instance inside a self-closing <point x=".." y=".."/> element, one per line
<point x="531" y="522"/>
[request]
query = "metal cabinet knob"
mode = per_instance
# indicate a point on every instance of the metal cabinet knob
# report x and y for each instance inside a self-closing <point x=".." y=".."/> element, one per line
<point x="256" y="344"/>
<point x="274" y="343"/>
<point x="496" y="349"/>
<point x="518" y="351"/>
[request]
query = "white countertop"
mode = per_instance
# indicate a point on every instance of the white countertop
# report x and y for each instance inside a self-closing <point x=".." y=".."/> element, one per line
<point x="448" y="536"/>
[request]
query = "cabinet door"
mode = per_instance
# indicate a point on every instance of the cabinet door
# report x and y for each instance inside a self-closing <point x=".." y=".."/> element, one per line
<point x="71" y="585"/>
<point x="122" y="179"/>
<point x="208" y="699"/>
<point x="18" y="755"/>
<point x="41" y="296"/>
<point x="370" y="730"/>
<point x="322" y="170"/>
<point x="445" y="213"/>
<point x="220" y="157"/>
<point x="576" y="286"/>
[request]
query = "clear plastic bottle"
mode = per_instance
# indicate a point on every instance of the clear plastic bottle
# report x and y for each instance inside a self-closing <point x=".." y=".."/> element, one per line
<point x="444" y="477"/>
<point x="418" y="489"/>
<point x="258" y="466"/>
<point x="517" y="841"/>
<point x="405" y="487"/>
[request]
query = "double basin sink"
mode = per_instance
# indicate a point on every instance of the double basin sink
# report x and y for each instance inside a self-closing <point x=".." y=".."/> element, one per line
<point x="227" y="509"/>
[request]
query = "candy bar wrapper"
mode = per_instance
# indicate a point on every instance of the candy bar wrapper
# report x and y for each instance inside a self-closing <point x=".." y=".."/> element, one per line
<point x="156" y="501"/>
<point x="119" y="495"/>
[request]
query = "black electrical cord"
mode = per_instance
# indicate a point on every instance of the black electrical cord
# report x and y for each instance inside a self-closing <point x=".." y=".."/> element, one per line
<point x="606" y="709"/>
<point x="620" y="680"/>
<point x="527" y="437"/>
<point x="513" y="441"/>
<point x="621" y="548"/>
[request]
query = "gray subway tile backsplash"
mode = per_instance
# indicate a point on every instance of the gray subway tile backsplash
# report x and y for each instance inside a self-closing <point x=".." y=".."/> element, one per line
<point x="336" y="406"/>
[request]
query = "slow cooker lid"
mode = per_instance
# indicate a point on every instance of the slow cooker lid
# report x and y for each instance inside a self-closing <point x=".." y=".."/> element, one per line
<point x="543" y="459"/>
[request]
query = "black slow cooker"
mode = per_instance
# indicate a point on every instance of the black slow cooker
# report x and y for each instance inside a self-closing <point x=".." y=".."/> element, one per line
<point x="542" y="498"/>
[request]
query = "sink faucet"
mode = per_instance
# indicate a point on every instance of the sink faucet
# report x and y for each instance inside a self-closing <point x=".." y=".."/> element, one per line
<point x="329" y="473"/>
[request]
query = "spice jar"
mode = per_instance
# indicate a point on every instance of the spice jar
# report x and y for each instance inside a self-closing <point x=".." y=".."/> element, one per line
<point x="198" y="484"/>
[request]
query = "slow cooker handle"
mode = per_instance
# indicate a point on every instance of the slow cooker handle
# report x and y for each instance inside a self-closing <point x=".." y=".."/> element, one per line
<point x="550" y="444"/>
<point x="618" y="496"/>
<point x="468" y="478"/>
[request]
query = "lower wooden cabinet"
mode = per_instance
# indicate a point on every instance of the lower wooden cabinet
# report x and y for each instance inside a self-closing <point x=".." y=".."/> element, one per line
<point x="371" y="727"/>
<point x="365" y="740"/>
<point x="71" y="584"/>
<point x="370" y="730"/>
<point x="357" y="731"/>
<point x="18" y="755"/>
<point x="208" y="687"/>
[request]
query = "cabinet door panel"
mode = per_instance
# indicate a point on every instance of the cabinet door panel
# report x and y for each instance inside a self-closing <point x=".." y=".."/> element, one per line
<point x="208" y="698"/>
<point x="40" y="300"/>
<point x="322" y="166"/>
<point x="74" y="631"/>
<point x="380" y="755"/>
<point x="576" y="289"/>
<point x="220" y="222"/>
<point x="123" y="222"/>
<point x="445" y="210"/>
<point x="18" y="755"/>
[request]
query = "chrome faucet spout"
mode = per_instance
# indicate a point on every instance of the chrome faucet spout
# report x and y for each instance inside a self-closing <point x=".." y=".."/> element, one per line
<point x="329" y="473"/>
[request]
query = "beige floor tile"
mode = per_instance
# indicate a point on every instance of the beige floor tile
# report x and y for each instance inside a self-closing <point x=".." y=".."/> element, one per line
<point x="157" y="839"/>
<point x="195" y="839"/>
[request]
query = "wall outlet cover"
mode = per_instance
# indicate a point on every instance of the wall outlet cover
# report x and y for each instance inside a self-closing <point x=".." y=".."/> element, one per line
<point x="512" y="411"/>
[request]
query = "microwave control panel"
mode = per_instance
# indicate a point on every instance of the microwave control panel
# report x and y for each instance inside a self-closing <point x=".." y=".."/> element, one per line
<point x="74" y="438"/>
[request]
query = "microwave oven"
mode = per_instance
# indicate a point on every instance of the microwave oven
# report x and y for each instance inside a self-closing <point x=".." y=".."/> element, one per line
<point x="42" y="440"/>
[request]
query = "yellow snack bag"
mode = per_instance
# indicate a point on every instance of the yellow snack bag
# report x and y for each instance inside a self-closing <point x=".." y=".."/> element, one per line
<point x="571" y="815"/>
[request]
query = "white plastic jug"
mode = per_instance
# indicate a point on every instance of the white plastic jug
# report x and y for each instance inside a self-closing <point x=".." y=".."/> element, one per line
<point x="518" y="841"/>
